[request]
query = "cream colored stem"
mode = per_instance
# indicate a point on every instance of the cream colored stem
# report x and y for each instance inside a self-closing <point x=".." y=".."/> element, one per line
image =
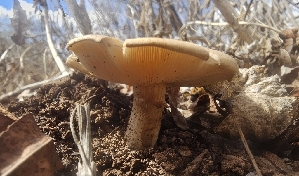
<point x="145" y="120"/>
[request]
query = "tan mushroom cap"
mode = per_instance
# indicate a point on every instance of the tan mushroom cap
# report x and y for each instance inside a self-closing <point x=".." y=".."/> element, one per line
<point x="145" y="61"/>
<point x="73" y="62"/>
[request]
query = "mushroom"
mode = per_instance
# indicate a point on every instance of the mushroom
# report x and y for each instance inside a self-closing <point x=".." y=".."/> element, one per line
<point x="149" y="64"/>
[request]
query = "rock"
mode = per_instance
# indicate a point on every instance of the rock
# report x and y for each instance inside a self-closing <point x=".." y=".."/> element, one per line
<point x="25" y="150"/>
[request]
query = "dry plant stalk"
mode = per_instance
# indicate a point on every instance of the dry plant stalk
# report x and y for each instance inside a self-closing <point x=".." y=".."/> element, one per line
<point x="231" y="17"/>
<point x="22" y="56"/>
<point x="44" y="62"/>
<point x="86" y="166"/>
<point x="3" y="56"/>
<point x="53" y="50"/>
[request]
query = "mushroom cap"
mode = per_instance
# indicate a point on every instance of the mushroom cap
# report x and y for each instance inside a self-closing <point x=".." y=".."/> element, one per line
<point x="145" y="61"/>
<point x="73" y="62"/>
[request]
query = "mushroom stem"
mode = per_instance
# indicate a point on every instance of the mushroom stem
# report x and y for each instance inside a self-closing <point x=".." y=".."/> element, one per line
<point x="145" y="120"/>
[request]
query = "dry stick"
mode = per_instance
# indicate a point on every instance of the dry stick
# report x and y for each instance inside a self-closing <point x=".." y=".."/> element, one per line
<point x="258" y="171"/>
<point x="230" y="15"/>
<point x="224" y="24"/>
<point x="33" y="86"/>
<point x="247" y="10"/>
<point x="6" y="51"/>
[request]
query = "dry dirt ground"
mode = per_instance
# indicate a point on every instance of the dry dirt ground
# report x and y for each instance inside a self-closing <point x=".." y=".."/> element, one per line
<point x="196" y="151"/>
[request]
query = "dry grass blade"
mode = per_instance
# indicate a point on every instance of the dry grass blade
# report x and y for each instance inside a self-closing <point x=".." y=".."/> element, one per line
<point x="87" y="166"/>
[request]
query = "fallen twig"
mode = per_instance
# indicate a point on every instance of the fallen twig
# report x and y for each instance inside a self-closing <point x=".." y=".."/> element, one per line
<point x="195" y="164"/>
<point x="231" y="17"/>
<point x="258" y="171"/>
<point x="33" y="86"/>
<point x="225" y="23"/>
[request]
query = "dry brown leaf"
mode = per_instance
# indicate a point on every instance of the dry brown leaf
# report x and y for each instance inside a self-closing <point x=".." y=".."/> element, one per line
<point x="288" y="44"/>
<point x="289" y="38"/>
<point x="284" y="58"/>
<point x="177" y="116"/>
<point x="295" y="92"/>
<point x="288" y="33"/>
<point x="288" y="75"/>
<point x="19" y="22"/>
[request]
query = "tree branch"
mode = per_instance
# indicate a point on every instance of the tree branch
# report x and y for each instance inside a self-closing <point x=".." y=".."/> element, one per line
<point x="230" y="16"/>
<point x="80" y="15"/>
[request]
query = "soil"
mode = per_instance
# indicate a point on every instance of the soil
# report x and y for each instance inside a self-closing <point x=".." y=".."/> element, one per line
<point x="196" y="151"/>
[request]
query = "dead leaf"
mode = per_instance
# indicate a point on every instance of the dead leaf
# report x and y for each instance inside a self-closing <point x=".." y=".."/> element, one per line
<point x="288" y="75"/>
<point x="289" y="38"/>
<point x="203" y="104"/>
<point x="295" y="92"/>
<point x="288" y="33"/>
<point x="284" y="58"/>
<point x="179" y="119"/>
<point x="20" y="23"/>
